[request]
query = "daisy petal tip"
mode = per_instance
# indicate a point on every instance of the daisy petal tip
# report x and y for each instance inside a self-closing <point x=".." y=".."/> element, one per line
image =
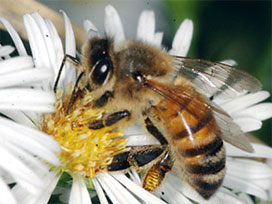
<point x="90" y="30"/>
<point x="146" y="26"/>
<point x="110" y="12"/>
<point x="188" y="22"/>
<point x="182" y="39"/>
<point x="113" y="25"/>
<point x="229" y="62"/>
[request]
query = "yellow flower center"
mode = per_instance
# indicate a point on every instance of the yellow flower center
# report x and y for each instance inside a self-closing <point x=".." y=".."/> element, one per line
<point x="84" y="151"/>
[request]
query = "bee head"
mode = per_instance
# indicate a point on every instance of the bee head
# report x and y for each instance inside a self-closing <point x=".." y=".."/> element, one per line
<point x="97" y="62"/>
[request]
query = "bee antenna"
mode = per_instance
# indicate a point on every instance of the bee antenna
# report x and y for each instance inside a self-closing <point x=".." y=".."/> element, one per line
<point x="73" y="95"/>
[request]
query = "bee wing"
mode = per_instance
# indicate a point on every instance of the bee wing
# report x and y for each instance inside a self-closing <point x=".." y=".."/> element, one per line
<point x="216" y="80"/>
<point x="180" y="95"/>
<point x="231" y="132"/>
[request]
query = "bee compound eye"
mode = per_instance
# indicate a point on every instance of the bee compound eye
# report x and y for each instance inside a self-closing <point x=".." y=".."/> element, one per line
<point x="102" y="72"/>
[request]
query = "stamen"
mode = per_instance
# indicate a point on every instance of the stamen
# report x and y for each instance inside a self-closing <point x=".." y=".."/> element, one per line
<point x="84" y="151"/>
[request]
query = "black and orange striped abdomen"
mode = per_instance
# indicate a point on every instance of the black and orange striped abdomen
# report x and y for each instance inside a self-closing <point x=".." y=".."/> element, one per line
<point x="195" y="142"/>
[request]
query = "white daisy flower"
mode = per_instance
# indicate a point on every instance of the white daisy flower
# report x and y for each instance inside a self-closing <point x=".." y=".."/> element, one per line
<point x="32" y="162"/>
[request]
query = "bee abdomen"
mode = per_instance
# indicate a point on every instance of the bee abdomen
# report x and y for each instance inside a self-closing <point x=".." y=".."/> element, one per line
<point x="202" y="159"/>
<point x="205" y="171"/>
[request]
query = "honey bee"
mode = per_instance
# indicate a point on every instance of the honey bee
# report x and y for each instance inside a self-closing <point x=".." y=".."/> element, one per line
<point x="171" y="97"/>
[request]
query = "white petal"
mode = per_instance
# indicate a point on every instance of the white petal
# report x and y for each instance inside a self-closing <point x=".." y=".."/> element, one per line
<point x="90" y="29"/>
<point x="107" y="189"/>
<point x="37" y="41"/>
<point x="182" y="39"/>
<point x="15" y="64"/>
<point x="248" y="169"/>
<point x="134" y="176"/>
<point x="139" y="140"/>
<point x="168" y="192"/>
<point x="46" y="39"/>
<point x="245" y="198"/>
<point x="42" y="195"/>
<point x="6" y="50"/>
<point x="19" y="171"/>
<point x="36" y="142"/>
<point x="248" y="124"/>
<point x="146" y="27"/>
<point x="31" y="161"/>
<point x="41" y="44"/>
<point x="25" y="77"/>
<point x="245" y="101"/>
<point x="50" y="182"/>
<point x="19" y="117"/>
<point x="229" y="62"/>
<point x="15" y="37"/>
<point x="39" y="108"/>
<point x="260" y="151"/>
<point x="26" y="95"/>
<point x="261" y="111"/>
<point x="99" y="191"/>
<point x="6" y="195"/>
<point x="116" y="192"/>
<point x="70" y="48"/>
<point x="26" y="99"/>
<point x="79" y="192"/>
<point x="58" y="48"/>
<point x="241" y="185"/>
<point x="224" y="197"/>
<point x="88" y="25"/>
<point x="184" y="188"/>
<point x="137" y="190"/>
<point x="113" y="25"/>
<point x="158" y="39"/>
<point x="136" y="135"/>
<point x="64" y="193"/>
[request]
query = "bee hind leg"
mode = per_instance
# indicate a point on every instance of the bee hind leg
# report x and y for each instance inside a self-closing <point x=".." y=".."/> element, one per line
<point x="157" y="173"/>
<point x="137" y="157"/>
<point x="151" y="128"/>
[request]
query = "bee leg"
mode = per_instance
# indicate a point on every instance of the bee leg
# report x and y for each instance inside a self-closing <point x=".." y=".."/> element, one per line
<point x="71" y="60"/>
<point x="137" y="157"/>
<point x="154" y="131"/>
<point x="156" y="174"/>
<point x="100" y="102"/>
<point x="75" y="93"/>
<point x="109" y="120"/>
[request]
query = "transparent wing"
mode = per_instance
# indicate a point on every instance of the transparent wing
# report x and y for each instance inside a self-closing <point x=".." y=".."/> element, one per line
<point x="216" y="79"/>
<point x="231" y="132"/>
<point x="186" y="97"/>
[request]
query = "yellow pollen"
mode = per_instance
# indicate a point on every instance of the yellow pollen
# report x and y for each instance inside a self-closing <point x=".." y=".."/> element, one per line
<point x="84" y="151"/>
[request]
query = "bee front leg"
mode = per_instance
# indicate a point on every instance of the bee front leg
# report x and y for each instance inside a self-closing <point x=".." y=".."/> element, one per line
<point x="109" y="120"/>
<point x="103" y="100"/>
